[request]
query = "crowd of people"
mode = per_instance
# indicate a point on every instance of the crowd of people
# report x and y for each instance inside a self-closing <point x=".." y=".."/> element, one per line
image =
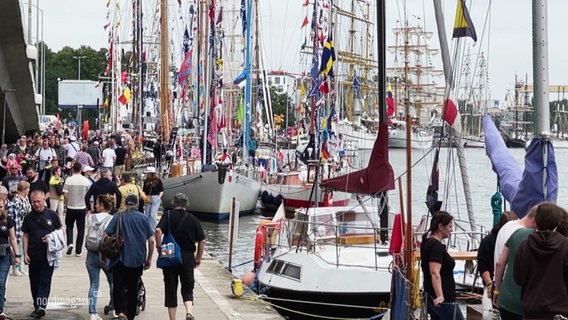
<point x="56" y="195"/>
<point x="522" y="262"/>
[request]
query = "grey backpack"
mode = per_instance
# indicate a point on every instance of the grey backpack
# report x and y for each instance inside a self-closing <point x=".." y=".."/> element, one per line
<point x="94" y="235"/>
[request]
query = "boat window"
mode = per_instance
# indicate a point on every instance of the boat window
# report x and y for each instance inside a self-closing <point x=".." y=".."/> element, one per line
<point x="292" y="271"/>
<point x="275" y="266"/>
<point x="321" y="225"/>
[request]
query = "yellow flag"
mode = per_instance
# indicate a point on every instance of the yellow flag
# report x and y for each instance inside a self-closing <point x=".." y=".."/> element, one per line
<point x="302" y="89"/>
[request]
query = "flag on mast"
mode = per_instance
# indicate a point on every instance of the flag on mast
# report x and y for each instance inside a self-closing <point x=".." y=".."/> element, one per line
<point x="463" y="26"/>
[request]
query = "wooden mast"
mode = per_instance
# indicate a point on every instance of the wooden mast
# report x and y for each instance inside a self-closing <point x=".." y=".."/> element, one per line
<point x="164" y="70"/>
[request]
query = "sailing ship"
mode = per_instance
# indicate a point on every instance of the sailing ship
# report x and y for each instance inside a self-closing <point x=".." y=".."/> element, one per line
<point x="220" y="182"/>
<point x="414" y="86"/>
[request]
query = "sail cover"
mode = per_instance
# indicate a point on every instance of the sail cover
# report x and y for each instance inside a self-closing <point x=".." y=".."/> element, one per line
<point x="538" y="182"/>
<point x="377" y="177"/>
<point x="504" y="164"/>
<point x="540" y="178"/>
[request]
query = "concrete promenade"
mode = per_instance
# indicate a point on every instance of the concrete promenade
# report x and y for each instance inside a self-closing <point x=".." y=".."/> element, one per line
<point x="212" y="295"/>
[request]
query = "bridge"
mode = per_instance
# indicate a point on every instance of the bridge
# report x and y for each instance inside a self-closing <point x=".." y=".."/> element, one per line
<point x="17" y="94"/>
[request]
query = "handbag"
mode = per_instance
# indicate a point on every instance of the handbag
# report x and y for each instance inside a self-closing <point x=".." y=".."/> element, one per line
<point x="111" y="246"/>
<point x="170" y="253"/>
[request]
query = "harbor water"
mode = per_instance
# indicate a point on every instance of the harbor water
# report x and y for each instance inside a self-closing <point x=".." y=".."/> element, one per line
<point x="482" y="180"/>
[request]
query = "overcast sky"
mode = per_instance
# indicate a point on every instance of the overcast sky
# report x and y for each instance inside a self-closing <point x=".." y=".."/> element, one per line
<point x="509" y="49"/>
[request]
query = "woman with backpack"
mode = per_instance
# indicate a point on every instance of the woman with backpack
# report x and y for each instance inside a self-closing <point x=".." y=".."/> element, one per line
<point x="96" y="224"/>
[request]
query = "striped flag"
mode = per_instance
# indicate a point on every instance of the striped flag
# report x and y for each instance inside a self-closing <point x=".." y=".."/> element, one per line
<point x="327" y="58"/>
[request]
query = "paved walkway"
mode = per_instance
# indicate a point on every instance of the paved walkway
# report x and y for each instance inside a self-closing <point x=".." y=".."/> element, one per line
<point x="68" y="300"/>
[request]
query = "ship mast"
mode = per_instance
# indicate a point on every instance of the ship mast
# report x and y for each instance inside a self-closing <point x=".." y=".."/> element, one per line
<point x="164" y="70"/>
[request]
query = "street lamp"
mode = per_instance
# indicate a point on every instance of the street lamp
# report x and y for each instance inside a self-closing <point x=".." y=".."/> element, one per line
<point x="4" y="116"/>
<point x="79" y="66"/>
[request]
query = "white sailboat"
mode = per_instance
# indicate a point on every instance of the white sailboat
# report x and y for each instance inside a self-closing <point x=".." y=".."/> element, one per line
<point x="212" y="189"/>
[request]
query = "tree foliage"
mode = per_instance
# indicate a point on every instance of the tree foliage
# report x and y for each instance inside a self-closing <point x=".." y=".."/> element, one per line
<point x="281" y="102"/>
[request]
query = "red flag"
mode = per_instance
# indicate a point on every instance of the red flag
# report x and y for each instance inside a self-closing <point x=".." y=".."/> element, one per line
<point x="449" y="112"/>
<point x="306" y="22"/>
<point x="306" y="3"/>
<point x="124" y="76"/>
<point x="395" y="245"/>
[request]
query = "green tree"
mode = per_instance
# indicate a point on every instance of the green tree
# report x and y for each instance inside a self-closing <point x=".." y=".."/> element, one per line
<point x="63" y="66"/>
<point x="281" y="102"/>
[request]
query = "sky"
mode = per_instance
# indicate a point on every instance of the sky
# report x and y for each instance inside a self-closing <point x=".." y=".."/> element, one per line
<point x="506" y="39"/>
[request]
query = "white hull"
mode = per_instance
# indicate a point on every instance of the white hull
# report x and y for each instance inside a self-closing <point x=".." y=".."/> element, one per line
<point x="418" y="139"/>
<point x="473" y="142"/>
<point x="211" y="200"/>
<point x="357" y="137"/>
<point x="340" y="263"/>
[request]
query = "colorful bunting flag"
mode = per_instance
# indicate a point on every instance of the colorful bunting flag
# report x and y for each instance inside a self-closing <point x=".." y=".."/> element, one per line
<point x="241" y="111"/>
<point x="125" y="97"/>
<point x="243" y="15"/>
<point x="327" y="58"/>
<point x="305" y="22"/>
<point x="185" y="68"/>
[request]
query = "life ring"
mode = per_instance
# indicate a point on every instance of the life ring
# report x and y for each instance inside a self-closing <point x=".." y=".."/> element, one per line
<point x="258" y="246"/>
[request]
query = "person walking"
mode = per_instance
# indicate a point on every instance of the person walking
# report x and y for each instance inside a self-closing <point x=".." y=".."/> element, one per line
<point x="36" y="226"/>
<point x="154" y="190"/>
<point x="134" y="258"/>
<point x="18" y="208"/>
<point x="74" y="190"/>
<point x="104" y="205"/>
<point x="120" y="153"/>
<point x="103" y="186"/>
<point x="8" y="247"/>
<point x="438" y="269"/>
<point x="56" y="199"/>
<point x="36" y="183"/>
<point x="541" y="266"/>
<point x="506" y="293"/>
<point x="127" y="188"/>
<point x="187" y="231"/>
<point x="12" y="180"/>
<point x="109" y="158"/>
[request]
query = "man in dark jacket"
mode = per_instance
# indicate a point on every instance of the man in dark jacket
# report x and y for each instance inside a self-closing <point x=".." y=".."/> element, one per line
<point x="103" y="186"/>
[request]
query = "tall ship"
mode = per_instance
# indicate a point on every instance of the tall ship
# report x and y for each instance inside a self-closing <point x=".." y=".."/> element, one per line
<point x="415" y="82"/>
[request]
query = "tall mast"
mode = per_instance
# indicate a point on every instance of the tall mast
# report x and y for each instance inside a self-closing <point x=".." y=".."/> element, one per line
<point x="246" y="123"/>
<point x="164" y="70"/>
<point x="138" y="101"/>
<point x="540" y="64"/>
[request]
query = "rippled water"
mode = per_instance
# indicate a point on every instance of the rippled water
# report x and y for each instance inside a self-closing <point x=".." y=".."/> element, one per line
<point x="482" y="180"/>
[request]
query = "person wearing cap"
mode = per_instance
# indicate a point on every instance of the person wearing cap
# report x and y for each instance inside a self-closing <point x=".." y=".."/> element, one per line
<point x="187" y="231"/>
<point x="134" y="258"/>
<point x="71" y="148"/>
<point x="127" y="188"/>
<point x="74" y="191"/>
<point x="154" y="190"/>
<point x="95" y="152"/>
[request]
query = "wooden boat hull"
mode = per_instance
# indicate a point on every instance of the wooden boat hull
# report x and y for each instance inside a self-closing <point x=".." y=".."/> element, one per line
<point x="211" y="200"/>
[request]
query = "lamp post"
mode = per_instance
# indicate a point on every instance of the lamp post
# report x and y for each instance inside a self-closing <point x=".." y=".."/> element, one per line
<point x="4" y="115"/>
<point x="79" y="65"/>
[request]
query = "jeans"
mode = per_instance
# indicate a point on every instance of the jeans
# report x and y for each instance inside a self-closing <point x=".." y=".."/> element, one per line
<point x="94" y="267"/>
<point x="75" y="216"/>
<point x="151" y="210"/>
<point x="40" y="280"/>
<point x="5" y="264"/>
<point x="125" y="289"/>
<point x="446" y="311"/>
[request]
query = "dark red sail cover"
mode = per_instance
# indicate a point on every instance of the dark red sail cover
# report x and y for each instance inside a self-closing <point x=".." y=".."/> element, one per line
<point x="377" y="177"/>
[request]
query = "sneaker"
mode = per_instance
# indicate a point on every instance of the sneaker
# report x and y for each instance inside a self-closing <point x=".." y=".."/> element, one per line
<point x="78" y="254"/>
<point x="17" y="273"/>
<point x="70" y="249"/>
<point x="40" y="313"/>
<point x="122" y="316"/>
<point x="33" y="314"/>
<point x="93" y="316"/>
<point x="2" y="316"/>
<point x="189" y="316"/>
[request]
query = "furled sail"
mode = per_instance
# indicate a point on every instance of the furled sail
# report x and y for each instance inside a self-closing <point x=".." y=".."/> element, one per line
<point x="377" y="177"/>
